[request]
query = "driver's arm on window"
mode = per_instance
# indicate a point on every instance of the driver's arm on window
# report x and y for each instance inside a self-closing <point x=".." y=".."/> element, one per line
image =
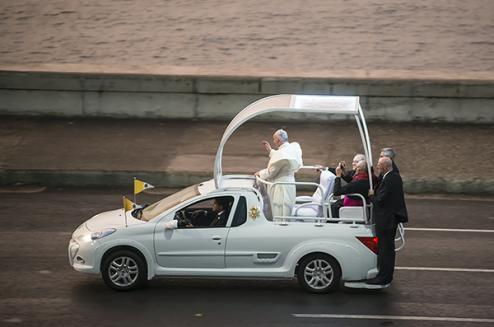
<point x="183" y="221"/>
<point x="184" y="224"/>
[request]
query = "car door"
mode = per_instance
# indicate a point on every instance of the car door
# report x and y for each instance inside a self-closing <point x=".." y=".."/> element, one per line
<point x="191" y="247"/>
<point x="255" y="243"/>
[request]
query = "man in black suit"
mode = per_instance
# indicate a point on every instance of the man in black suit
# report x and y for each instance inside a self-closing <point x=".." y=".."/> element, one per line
<point x="217" y="217"/>
<point x="220" y="211"/>
<point x="389" y="210"/>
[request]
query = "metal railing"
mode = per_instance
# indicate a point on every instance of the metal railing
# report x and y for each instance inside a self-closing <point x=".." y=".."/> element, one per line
<point x="364" y="205"/>
<point x="317" y="185"/>
<point x="401" y="236"/>
<point x="326" y="207"/>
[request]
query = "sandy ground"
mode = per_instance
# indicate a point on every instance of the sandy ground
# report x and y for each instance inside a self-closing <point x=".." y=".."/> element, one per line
<point x="310" y="35"/>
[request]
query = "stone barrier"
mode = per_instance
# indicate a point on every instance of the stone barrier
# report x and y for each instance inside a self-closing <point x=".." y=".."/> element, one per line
<point x="209" y="97"/>
<point x="58" y="178"/>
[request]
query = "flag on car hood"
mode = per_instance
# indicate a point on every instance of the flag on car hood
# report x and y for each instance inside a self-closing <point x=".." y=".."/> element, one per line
<point x="127" y="204"/>
<point x="140" y="186"/>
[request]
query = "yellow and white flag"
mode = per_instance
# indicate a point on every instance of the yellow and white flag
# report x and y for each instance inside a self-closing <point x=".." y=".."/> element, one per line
<point x="140" y="186"/>
<point x="127" y="204"/>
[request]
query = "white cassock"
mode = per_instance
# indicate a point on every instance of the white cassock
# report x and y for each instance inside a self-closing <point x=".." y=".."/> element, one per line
<point x="283" y="164"/>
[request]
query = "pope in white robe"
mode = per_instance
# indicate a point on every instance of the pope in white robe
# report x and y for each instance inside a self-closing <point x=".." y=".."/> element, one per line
<point x="283" y="163"/>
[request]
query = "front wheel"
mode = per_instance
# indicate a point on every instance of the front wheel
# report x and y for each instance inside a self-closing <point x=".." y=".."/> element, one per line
<point x="124" y="270"/>
<point x="319" y="273"/>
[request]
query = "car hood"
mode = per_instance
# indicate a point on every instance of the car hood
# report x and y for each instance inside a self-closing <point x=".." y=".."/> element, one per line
<point x="109" y="219"/>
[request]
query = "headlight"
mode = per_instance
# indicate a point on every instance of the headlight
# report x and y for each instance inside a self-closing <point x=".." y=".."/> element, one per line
<point x="103" y="233"/>
<point x="74" y="247"/>
<point x="84" y="238"/>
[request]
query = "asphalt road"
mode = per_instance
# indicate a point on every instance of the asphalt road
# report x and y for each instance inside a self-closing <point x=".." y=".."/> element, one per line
<point x="39" y="288"/>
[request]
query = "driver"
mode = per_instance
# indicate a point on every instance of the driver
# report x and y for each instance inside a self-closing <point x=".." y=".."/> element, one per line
<point x="219" y="212"/>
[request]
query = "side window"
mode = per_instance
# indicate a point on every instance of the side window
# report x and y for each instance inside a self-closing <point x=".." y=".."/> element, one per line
<point x="208" y="213"/>
<point x="240" y="216"/>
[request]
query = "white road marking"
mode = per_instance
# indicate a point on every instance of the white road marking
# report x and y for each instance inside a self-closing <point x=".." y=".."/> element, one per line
<point x="384" y="317"/>
<point x="450" y="197"/>
<point x="44" y="272"/>
<point x="447" y="269"/>
<point x="450" y="230"/>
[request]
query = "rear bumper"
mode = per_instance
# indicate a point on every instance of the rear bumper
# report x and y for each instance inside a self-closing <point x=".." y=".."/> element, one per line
<point x="372" y="273"/>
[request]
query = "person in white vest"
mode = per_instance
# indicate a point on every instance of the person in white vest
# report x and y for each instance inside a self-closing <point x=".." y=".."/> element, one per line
<point x="283" y="163"/>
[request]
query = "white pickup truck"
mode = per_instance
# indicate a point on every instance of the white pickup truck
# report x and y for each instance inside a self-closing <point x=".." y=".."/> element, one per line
<point x="320" y="251"/>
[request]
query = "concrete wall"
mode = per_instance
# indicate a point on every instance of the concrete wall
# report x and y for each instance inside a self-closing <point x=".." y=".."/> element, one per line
<point x="56" y="178"/>
<point x="219" y="97"/>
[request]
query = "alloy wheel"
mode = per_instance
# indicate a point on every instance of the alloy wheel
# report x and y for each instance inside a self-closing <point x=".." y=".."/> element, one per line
<point x="123" y="271"/>
<point x="318" y="274"/>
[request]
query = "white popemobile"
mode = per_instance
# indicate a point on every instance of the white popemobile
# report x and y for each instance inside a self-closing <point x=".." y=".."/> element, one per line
<point x="320" y="251"/>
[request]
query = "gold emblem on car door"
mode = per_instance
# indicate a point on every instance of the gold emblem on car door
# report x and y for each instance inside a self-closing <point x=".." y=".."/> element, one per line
<point x="254" y="212"/>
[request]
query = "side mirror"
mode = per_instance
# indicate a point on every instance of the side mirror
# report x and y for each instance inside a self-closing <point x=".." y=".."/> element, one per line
<point x="172" y="224"/>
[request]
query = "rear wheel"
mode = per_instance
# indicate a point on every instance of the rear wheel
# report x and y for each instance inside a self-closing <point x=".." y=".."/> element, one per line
<point x="319" y="273"/>
<point x="124" y="270"/>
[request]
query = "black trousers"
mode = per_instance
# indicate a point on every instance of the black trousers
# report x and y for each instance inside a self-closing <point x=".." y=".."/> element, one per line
<point x="335" y="208"/>
<point x="386" y="254"/>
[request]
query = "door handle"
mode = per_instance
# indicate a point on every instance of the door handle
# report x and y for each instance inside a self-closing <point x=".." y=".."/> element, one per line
<point x="216" y="238"/>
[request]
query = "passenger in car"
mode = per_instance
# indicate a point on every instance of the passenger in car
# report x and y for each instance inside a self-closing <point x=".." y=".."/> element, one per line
<point x="347" y="175"/>
<point x="359" y="184"/>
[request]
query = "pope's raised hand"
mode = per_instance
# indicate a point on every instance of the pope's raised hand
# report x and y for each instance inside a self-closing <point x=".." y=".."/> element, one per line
<point x="266" y="145"/>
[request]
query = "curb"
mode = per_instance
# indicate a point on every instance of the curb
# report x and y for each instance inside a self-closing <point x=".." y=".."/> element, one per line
<point x="473" y="186"/>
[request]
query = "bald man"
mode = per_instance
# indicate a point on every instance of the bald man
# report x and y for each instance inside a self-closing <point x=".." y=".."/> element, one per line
<point x="347" y="175"/>
<point x="358" y="184"/>
<point x="389" y="210"/>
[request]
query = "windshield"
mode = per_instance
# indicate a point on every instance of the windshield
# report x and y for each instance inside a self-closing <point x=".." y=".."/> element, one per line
<point x="169" y="202"/>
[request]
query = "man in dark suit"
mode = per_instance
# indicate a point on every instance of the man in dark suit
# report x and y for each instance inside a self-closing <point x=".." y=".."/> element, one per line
<point x="220" y="211"/>
<point x="217" y="217"/>
<point x="389" y="210"/>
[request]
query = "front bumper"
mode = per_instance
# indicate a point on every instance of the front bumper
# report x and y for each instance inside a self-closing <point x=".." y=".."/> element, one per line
<point x="82" y="251"/>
